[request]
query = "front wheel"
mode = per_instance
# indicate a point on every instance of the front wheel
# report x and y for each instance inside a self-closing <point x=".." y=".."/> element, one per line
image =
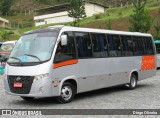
<point x="133" y="82"/>
<point x="67" y="93"/>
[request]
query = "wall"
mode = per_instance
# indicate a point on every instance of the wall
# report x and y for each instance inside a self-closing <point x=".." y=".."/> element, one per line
<point x="52" y="18"/>
<point x="2" y="24"/>
<point x="63" y="16"/>
<point x="92" y="9"/>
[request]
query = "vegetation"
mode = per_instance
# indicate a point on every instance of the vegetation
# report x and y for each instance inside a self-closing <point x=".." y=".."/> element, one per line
<point x="116" y="18"/>
<point x="5" y="6"/>
<point x="5" y="35"/>
<point x="140" y="21"/>
<point x="157" y="28"/>
<point x="76" y="10"/>
<point x="109" y="25"/>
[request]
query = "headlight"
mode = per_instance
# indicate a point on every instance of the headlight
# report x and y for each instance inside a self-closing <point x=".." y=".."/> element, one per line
<point x="37" y="77"/>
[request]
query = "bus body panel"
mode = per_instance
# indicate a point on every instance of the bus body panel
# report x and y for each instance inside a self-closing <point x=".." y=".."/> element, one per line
<point x="103" y="72"/>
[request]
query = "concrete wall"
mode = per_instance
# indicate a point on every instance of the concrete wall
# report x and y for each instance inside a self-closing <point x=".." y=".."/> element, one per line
<point x="62" y="17"/>
<point x="92" y="9"/>
<point x="2" y="24"/>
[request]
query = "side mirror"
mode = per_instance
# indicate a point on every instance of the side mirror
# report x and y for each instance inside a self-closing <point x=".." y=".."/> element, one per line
<point x="64" y="40"/>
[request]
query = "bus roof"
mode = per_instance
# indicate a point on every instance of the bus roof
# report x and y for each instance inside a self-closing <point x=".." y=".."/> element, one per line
<point x="80" y="29"/>
<point x="7" y="42"/>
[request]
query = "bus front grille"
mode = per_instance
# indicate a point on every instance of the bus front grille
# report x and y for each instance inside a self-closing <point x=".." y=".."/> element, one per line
<point x="26" y="82"/>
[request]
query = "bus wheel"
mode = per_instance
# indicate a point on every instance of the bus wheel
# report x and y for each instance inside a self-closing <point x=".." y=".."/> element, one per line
<point x="133" y="82"/>
<point x="27" y="98"/>
<point x="67" y="93"/>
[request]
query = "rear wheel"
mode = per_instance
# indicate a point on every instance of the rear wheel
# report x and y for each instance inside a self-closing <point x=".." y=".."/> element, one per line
<point x="27" y="98"/>
<point x="67" y="93"/>
<point x="133" y="82"/>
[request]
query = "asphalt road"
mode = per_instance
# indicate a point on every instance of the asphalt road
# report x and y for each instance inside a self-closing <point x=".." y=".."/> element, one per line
<point x="145" y="96"/>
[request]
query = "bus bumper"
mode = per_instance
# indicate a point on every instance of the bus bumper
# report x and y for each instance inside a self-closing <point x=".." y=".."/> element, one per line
<point x="39" y="88"/>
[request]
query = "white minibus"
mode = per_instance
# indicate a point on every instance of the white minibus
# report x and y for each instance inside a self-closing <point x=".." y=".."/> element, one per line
<point x="63" y="61"/>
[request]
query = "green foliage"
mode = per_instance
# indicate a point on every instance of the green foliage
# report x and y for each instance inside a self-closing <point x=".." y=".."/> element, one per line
<point x="76" y="10"/>
<point x="5" y="35"/>
<point x="140" y="21"/>
<point x="5" y="6"/>
<point x="97" y="16"/>
<point x="157" y="28"/>
<point x="109" y="24"/>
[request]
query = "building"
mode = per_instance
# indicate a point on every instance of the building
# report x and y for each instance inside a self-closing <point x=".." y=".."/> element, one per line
<point x="3" y="22"/>
<point x="59" y="14"/>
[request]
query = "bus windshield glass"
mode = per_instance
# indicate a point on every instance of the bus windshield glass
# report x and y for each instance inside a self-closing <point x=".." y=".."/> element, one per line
<point x="37" y="47"/>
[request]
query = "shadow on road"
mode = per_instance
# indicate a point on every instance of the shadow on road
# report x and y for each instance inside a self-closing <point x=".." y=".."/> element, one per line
<point x="101" y="92"/>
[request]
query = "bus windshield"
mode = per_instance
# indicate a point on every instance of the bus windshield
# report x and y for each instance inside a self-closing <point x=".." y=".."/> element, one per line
<point x="37" y="47"/>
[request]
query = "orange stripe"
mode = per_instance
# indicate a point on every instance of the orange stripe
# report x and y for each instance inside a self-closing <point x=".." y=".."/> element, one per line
<point x="69" y="62"/>
<point x="148" y="62"/>
<point x="5" y="52"/>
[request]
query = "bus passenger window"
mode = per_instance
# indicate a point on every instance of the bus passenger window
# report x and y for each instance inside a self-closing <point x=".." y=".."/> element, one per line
<point x="66" y="52"/>
<point x="83" y="45"/>
<point x="138" y="46"/>
<point x="148" y="45"/>
<point x="127" y="44"/>
<point x="100" y="47"/>
<point x="115" y="46"/>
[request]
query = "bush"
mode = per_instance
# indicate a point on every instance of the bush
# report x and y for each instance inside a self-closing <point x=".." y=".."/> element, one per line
<point x="97" y="16"/>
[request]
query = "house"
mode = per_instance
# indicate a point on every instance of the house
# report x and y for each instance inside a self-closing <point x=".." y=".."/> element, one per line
<point x="3" y="22"/>
<point x="59" y="14"/>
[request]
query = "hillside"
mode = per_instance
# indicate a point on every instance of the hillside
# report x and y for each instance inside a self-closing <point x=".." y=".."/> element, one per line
<point x="119" y="17"/>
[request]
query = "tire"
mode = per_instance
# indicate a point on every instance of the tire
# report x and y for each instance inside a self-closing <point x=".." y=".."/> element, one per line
<point x="133" y="82"/>
<point x="67" y="93"/>
<point x="27" y="98"/>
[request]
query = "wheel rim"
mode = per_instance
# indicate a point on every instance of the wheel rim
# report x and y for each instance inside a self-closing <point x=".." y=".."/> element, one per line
<point x="66" y="92"/>
<point x="133" y="82"/>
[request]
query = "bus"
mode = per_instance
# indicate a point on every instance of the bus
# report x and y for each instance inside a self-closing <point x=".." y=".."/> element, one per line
<point x="157" y="43"/>
<point x="6" y="49"/>
<point x="62" y="61"/>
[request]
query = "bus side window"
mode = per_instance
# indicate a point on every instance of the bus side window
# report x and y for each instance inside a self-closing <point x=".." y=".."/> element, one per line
<point x="148" y="45"/>
<point x="127" y="44"/>
<point x="138" y="46"/>
<point x="84" y="45"/>
<point x="114" y="44"/>
<point x="100" y="47"/>
<point x="67" y="52"/>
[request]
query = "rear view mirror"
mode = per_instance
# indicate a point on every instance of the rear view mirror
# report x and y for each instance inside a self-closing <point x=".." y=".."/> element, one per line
<point x="64" y="40"/>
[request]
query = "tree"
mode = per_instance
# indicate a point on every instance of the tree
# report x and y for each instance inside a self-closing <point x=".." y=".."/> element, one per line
<point x="5" y="6"/>
<point x="157" y="28"/>
<point x="5" y="35"/>
<point x="109" y="24"/>
<point x="140" y="21"/>
<point x="76" y="10"/>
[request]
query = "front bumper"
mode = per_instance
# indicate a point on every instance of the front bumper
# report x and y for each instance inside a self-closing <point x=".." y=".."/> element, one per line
<point x="39" y="88"/>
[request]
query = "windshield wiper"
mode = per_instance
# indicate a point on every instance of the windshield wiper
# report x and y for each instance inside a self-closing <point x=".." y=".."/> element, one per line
<point x="17" y="59"/>
<point x="33" y="56"/>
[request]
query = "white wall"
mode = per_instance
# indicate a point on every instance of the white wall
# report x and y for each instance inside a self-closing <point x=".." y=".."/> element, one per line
<point x="63" y="16"/>
<point x="92" y="9"/>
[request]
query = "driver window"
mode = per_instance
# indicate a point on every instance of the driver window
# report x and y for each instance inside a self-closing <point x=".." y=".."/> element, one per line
<point x="67" y="52"/>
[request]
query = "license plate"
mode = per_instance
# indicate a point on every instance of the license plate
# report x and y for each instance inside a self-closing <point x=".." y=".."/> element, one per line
<point x="17" y="85"/>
